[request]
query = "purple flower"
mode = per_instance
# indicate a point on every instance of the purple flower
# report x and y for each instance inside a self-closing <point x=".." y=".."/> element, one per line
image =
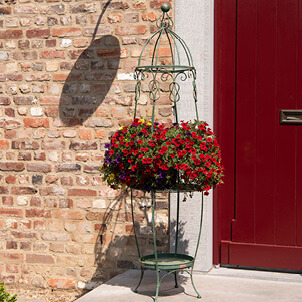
<point x="107" y="145"/>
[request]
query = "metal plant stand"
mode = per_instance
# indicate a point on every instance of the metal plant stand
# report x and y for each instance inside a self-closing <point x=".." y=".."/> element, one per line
<point x="170" y="263"/>
<point x="178" y="70"/>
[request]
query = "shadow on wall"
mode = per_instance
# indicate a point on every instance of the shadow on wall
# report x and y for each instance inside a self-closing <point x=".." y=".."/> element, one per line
<point x="116" y="252"/>
<point x="90" y="77"/>
<point x="89" y="80"/>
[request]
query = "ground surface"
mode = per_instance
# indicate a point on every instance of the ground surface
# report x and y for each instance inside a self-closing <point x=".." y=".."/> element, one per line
<point x="30" y="294"/>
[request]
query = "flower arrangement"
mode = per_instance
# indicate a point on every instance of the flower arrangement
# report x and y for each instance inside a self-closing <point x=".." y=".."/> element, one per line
<point x="184" y="156"/>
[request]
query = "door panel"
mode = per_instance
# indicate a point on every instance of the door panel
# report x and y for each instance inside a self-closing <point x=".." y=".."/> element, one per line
<point x="265" y="192"/>
<point x="243" y="225"/>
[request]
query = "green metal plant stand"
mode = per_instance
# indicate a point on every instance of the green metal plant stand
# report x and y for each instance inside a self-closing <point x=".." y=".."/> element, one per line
<point x="170" y="263"/>
<point x="178" y="70"/>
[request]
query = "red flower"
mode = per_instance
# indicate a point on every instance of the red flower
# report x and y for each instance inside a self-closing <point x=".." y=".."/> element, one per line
<point x="209" y="139"/>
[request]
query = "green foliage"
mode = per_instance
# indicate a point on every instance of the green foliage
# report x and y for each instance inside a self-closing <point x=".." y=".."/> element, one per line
<point x="5" y="296"/>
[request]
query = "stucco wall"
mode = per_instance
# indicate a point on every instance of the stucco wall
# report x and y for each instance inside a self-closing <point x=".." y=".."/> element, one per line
<point x="194" y="23"/>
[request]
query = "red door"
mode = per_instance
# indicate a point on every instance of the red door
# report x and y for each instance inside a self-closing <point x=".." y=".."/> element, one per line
<point x="258" y="73"/>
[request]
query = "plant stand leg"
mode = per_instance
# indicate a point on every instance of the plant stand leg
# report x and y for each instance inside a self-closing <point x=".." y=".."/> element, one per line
<point x="175" y="277"/>
<point x="157" y="284"/>
<point x="140" y="280"/>
<point x="197" y="293"/>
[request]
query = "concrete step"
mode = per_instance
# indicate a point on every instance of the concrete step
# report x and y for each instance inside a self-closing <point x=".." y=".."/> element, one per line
<point x="219" y="285"/>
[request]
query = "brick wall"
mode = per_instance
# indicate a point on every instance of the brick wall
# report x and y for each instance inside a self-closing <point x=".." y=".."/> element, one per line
<point x="65" y="86"/>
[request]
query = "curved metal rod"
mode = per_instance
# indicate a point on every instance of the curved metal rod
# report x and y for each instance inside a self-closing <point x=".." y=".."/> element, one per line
<point x="170" y="44"/>
<point x="133" y="223"/>
<point x="183" y="43"/>
<point x="200" y="228"/>
<point x="156" y="47"/>
<point x="155" y="246"/>
<point x="147" y="42"/>
<point x="176" y="47"/>
<point x="177" y="223"/>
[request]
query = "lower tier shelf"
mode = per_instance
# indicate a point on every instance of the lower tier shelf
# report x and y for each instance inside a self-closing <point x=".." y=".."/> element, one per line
<point x="167" y="261"/>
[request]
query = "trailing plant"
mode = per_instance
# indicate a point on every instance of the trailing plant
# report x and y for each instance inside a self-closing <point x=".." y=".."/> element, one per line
<point x="5" y="296"/>
<point x="184" y="156"/>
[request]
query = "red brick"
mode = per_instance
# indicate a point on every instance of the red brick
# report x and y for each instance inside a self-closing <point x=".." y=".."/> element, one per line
<point x="33" y="145"/>
<point x="35" y="201"/>
<point x="38" y="167"/>
<point x="5" y="10"/>
<point x="69" y="214"/>
<point x="51" y="43"/>
<point x="23" y="100"/>
<point x="53" y="145"/>
<point x="34" y="258"/>
<point x="10" y="112"/>
<point x="131" y="30"/>
<point x="11" y="245"/>
<point x="40" y="156"/>
<point x="151" y="16"/>
<point x="95" y="216"/>
<point x="131" y="17"/>
<point x="39" y="225"/>
<point x="109" y="53"/>
<point x="10" y="179"/>
<point x="140" y="5"/>
<point x="3" y="190"/>
<point x="163" y="52"/>
<point x="21" y="235"/>
<point x="85" y="133"/>
<point x="66" y="32"/>
<point x="11" y="166"/>
<point x="24" y="10"/>
<point x="114" y="18"/>
<point x="159" y="3"/>
<point x="50" y="179"/>
<point x="13" y="257"/>
<point x="10" y="134"/>
<point x="4" y="100"/>
<point x="118" y="5"/>
<point x="11" y="212"/>
<point x="52" y="111"/>
<point x="83" y="146"/>
<point x="60" y="77"/>
<point x="38" y="33"/>
<point x="23" y="191"/>
<point x="66" y="181"/>
<point x="38" y="213"/>
<point x="11" y="268"/>
<point x="25" y="224"/>
<point x="7" y="200"/>
<point x="91" y="168"/>
<point x="36" y="122"/>
<point x="52" y="54"/>
<point x="11" y="34"/>
<point x="25" y="55"/>
<point x="82" y="192"/>
<point x="50" y="100"/>
<point x="4" y="144"/>
<point x="82" y="157"/>
<point x="13" y="77"/>
<point x="100" y="134"/>
<point x="25" y="245"/>
<point x="54" y="191"/>
<point x="62" y="283"/>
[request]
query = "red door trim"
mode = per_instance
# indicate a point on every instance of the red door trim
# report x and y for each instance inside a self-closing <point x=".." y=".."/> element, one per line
<point x="224" y="117"/>
<point x="263" y="255"/>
